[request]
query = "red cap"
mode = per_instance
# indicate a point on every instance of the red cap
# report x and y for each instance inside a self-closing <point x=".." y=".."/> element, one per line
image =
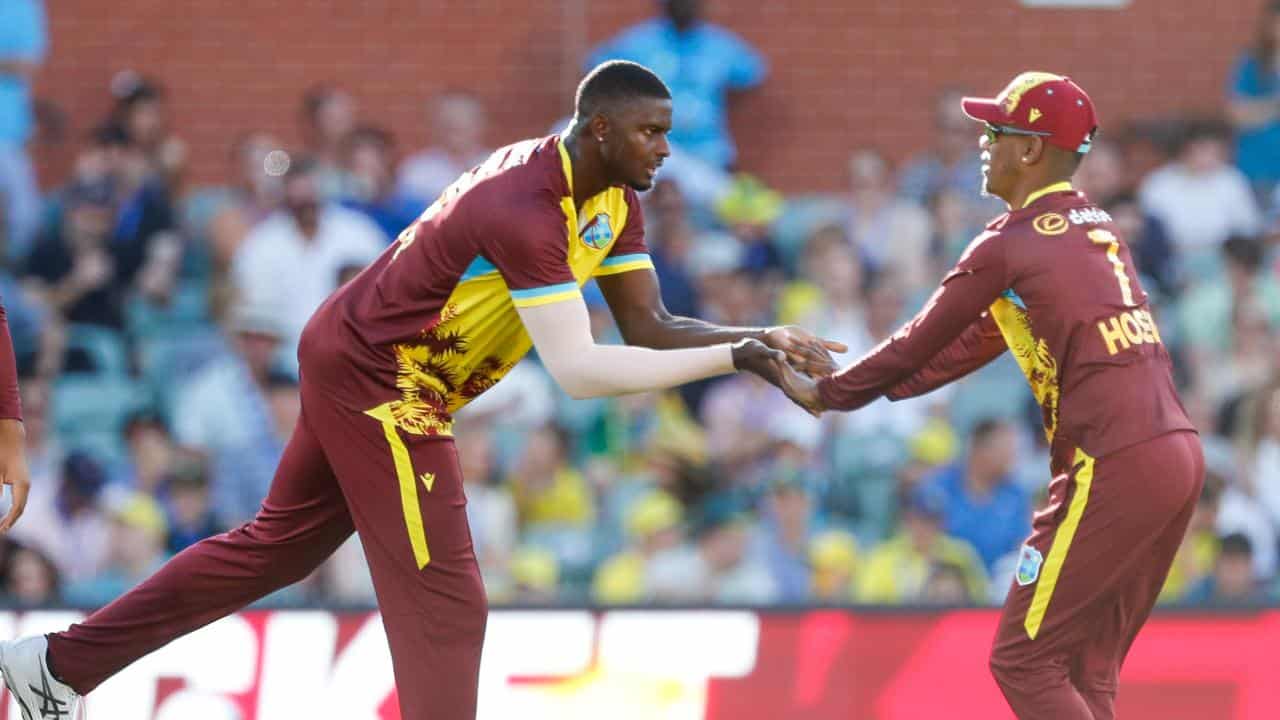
<point x="1044" y="103"/>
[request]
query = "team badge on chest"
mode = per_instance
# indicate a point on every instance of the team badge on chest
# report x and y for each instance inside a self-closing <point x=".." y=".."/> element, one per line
<point x="597" y="234"/>
<point x="1029" y="561"/>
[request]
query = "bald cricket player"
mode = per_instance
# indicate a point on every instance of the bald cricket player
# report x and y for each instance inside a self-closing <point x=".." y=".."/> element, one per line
<point x="493" y="268"/>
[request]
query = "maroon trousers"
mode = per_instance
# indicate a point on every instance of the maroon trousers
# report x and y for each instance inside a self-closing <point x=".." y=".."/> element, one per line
<point x="1097" y="558"/>
<point x="341" y="470"/>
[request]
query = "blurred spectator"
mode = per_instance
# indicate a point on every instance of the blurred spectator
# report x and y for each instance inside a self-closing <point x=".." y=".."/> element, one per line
<point x="1200" y="198"/>
<point x="748" y="209"/>
<point x="951" y="164"/>
<point x="1210" y="311"/>
<point x="1102" y="172"/>
<point x="984" y="505"/>
<point x="458" y="126"/>
<point x="833" y="556"/>
<point x="828" y="300"/>
<point x="954" y="225"/>
<point x="308" y="241"/>
<point x="135" y="548"/>
<point x="669" y="234"/>
<point x="1153" y="253"/>
<point x="22" y="48"/>
<point x="535" y="576"/>
<point x="1262" y="451"/>
<point x="78" y="275"/>
<point x="653" y="525"/>
<point x="718" y="568"/>
<point x="1254" y="103"/>
<point x="1199" y="549"/>
<point x="142" y="111"/>
<point x="898" y="570"/>
<point x="548" y="491"/>
<point x="1238" y="508"/>
<point x="889" y="231"/>
<point x="31" y="579"/>
<point x="328" y="116"/>
<point x="188" y="506"/>
<point x="948" y="586"/>
<point x="370" y="188"/>
<point x="219" y="217"/>
<point x="152" y="453"/>
<point x="1232" y="581"/>
<point x="787" y="523"/>
<point x="68" y="524"/>
<point x="225" y="410"/>
<point x="701" y="63"/>
<point x="491" y="511"/>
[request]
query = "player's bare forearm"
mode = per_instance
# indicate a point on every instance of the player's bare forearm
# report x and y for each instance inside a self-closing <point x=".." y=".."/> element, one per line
<point x="636" y="302"/>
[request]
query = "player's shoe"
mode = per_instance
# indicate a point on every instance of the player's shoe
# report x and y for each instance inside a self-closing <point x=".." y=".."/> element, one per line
<point x="39" y="694"/>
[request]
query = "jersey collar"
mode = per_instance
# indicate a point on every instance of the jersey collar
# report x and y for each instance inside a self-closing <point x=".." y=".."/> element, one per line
<point x="565" y="164"/>
<point x="1063" y="186"/>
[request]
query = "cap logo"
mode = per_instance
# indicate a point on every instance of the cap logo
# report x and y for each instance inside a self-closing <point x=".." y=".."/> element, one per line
<point x="1012" y="95"/>
<point x="1034" y="115"/>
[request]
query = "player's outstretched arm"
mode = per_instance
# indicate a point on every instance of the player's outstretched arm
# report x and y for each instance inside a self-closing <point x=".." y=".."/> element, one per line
<point x="979" y="344"/>
<point x="561" y="333"/>
<point x="636" y="302"/>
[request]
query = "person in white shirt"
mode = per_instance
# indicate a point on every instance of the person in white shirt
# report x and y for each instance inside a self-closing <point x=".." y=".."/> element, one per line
<point x="1200" y="197"/>
<point x="290" y="262"/>
<point x="458" y="125"/>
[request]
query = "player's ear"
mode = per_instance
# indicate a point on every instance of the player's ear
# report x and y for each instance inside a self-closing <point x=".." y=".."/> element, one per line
<point x="1035" y="150"/>
<point x="599" y="127"/>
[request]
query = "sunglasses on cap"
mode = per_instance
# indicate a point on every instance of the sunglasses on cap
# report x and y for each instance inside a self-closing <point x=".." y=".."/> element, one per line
<point x="995" y="131"/>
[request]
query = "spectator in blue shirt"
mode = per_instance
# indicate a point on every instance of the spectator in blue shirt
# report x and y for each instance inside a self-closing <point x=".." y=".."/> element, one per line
<point x="1255" y="104"/>
<point x="23" y="41"/>
<point x="984" y="504"/>
<point x="701" y="63"/>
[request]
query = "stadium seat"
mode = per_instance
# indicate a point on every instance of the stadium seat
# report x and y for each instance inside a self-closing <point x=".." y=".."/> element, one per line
<point x="104" y="348"/>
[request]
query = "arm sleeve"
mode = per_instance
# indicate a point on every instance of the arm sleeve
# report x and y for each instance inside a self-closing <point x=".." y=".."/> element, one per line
<point x="531" y="251"/>
<point x="748" y="68"/>
<point x="979" y="344"/>
<point x="10" y="401"/>
<point x="971" y="286"/>
<point x="27" y="37"/>
<point x="561" y="333"/>
<point x="629" y="252"/>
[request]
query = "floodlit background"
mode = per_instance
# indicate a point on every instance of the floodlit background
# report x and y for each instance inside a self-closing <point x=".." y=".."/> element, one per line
<point x="823" y="176"/>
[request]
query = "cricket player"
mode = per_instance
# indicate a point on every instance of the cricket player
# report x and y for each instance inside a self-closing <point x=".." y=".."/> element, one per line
<point x="1053" y="282"/>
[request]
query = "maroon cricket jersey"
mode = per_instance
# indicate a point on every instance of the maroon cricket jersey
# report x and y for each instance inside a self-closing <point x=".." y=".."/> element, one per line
<point x="432" y="322"/>
<point x="1054" y="283"/>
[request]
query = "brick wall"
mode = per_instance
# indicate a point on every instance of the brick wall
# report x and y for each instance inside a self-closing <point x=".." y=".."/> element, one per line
<point x="844" y="72"/>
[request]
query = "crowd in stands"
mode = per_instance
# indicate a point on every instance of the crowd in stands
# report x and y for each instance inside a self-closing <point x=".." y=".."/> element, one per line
<point x="155" y="322"/>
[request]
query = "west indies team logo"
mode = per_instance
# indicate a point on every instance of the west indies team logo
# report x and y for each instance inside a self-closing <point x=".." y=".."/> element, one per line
<point x="1029" y="561"/>
<point x="597" y="234"/>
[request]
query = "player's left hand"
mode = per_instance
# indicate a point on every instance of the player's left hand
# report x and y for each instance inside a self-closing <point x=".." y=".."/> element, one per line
<point x="805" y="351"/>
<point x="13" y="469"/>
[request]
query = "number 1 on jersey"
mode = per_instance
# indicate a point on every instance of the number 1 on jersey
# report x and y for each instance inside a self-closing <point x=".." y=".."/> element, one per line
<point x="1105" y="237"/>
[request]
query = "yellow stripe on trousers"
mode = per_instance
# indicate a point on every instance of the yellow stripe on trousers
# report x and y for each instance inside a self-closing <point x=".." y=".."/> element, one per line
<point x="408" y="495"/>
<point x="1061" y="545"/>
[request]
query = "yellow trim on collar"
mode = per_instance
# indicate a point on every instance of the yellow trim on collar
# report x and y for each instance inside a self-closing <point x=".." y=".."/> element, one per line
<point x="1056" y="187"/>
<point x="566" y="164"/>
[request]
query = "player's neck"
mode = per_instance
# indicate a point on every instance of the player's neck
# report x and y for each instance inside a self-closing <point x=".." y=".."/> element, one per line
<point x="1030" y="189"/>
<point x="588" y="175"/>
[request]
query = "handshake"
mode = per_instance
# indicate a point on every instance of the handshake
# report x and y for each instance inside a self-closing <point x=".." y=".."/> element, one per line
<point x="793" y="360"/>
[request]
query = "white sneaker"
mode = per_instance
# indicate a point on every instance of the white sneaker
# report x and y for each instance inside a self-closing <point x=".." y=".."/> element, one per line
<point x="38" y="692"/>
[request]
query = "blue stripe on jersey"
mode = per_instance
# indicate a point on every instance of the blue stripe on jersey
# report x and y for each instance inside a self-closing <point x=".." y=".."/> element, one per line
<point x="620" y="259"/>
<point x="546" y="290"/>
<point x="478" y="267"/>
